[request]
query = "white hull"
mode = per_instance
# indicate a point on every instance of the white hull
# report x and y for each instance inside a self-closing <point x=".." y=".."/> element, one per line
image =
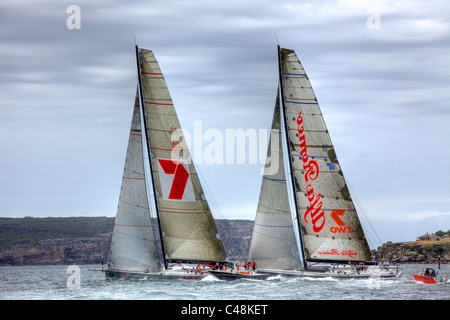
<point x="340" y="273"/>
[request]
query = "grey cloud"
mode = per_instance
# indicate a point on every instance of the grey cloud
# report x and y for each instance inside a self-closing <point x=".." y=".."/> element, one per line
<point x="65" y="95"/>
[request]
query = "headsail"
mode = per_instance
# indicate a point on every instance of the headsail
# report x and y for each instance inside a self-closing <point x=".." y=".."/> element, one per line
<point x="330" y="226"/>
<point x="273" y="244"/>
<point x="133" y="245"/>
<point x="188" y="228"/>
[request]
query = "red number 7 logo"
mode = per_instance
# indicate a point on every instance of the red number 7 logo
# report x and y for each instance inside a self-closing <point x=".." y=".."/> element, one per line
<point x="180" y="177"/>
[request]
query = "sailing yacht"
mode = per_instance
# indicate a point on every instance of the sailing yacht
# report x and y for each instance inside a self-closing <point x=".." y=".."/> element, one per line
<point x="183" y="235"/>
<point x="322" y="235"/>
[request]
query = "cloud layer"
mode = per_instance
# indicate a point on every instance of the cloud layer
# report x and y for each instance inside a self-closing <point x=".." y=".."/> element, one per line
<point x="380" y="70"/>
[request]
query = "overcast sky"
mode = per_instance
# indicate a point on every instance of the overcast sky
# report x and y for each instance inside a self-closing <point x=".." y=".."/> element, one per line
<point x="380" y="71"/>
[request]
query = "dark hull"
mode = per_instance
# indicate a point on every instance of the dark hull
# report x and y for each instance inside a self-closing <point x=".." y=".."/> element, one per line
<point x="163" y="275"/>
<point x="225" y="275"/>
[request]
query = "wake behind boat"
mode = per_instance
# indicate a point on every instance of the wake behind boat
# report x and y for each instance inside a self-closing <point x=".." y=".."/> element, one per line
<point x="322" y="231"/>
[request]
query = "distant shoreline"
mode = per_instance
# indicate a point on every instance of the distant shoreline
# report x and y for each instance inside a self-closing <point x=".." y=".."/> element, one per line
<point x="86" y="240"/>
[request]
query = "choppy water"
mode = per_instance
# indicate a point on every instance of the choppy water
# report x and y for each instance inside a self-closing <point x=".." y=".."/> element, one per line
<point x="60" y="283"/>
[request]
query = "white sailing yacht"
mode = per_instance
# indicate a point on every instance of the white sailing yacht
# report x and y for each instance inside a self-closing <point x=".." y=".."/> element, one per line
<point x="183" y="234"/>
<point x="323" y="236"/>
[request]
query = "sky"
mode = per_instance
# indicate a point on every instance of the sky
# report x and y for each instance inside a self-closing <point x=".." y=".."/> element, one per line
<point x="380" y="71"/>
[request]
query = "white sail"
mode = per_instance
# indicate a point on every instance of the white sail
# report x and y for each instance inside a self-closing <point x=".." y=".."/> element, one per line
<point x="133" y="246"/>
<point x="188" y="228"/>
<point x="273" y="244"/>
<point x="330" y="226"/>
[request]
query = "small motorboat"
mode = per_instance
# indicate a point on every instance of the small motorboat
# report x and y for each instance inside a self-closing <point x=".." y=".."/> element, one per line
<point x="429" y="275"/>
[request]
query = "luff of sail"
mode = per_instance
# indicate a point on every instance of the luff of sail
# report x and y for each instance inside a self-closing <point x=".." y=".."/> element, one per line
<point x="330" y="226"/>
<point x="133" y="246"/>
<point x="188" y="228"/>
<point x="273" y="244"/>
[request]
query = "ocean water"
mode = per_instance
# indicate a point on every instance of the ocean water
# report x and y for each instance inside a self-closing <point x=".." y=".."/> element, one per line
<point x="80" y="283"/>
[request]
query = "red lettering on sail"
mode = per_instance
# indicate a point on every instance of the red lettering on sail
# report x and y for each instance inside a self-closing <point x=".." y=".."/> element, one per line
<point x="316" y="215"/>
<point x="180" y="177"/>
<point x="335" y="215"/>
<point x="335" y="252"/>
<point x="343" y="228"/>
<point x="312" y="172"/>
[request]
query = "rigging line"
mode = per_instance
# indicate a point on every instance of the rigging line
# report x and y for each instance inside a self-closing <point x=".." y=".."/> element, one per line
<point x="274" y="179"/>
<point x="272" y="226"/>
<point x="134" y="205"/>
<point x="215" y="205"/>
<point x="135" y="172"/>
<point x="210" y="194"/>
<point x="363" y="212"/>
<point x="134" y="237"/>
<point x="273" y="209"/>
<point x="270" y="236"/>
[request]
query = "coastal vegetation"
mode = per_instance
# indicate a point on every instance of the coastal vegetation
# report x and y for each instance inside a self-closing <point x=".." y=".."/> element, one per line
<point x="86" y="240"/>
<point x="431" y="248"/>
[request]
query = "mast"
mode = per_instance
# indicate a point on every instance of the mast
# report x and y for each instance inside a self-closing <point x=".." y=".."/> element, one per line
<point x="286" y="131"/>
<point x="141" y="95"/>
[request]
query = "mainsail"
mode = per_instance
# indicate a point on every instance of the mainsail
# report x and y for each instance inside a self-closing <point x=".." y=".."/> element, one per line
<point x="187" y="226"/>
<point x="273" y="244"/>
<point x="133" y="246"/>
<point x="330" y="227"/>
<point x="187" y="231"/>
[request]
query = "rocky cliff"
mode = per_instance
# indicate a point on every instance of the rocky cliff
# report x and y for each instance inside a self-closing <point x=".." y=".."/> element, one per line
<point x="67" y="241"/>
<point x="415" y="251"/>
<point x="65" y="251"/>
<point x="80" y="240"/>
